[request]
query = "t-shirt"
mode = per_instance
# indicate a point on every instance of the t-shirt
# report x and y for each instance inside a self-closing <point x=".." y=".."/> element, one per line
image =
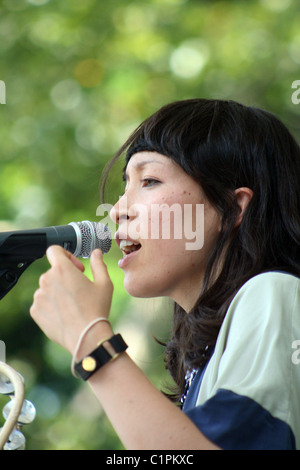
<point x="248" y="394"/>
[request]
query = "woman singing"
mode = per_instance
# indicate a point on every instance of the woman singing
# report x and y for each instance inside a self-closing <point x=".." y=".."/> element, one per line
<point x="236" y="296"/>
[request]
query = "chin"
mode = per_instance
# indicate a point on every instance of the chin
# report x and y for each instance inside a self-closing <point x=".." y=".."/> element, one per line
<point x="141" y="289"/>
<point x="138" y="292"/>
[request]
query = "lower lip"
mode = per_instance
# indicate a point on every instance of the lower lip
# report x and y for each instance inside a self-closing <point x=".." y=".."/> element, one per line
<point x="124" y="261"/>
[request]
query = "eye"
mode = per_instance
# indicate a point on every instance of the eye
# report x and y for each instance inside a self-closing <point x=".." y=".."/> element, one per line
<point x="147" y="182"/>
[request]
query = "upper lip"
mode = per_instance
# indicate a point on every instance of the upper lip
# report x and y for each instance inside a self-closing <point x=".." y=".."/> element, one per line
<point x="123" y="236"/>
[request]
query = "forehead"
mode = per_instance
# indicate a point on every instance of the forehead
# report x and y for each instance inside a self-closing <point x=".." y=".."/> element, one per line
<point x="141" y="159"/>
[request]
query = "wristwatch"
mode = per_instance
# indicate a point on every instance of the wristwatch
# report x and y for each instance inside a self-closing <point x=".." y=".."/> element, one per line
<point x="100" y="356"/>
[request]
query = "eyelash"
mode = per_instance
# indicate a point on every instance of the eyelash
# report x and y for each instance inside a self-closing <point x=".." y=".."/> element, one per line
<point x="151" y="180"/>
<point x="144" y="182"/>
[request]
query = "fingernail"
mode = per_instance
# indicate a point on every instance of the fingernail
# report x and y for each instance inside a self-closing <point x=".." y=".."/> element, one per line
<point x="98" y="252"/>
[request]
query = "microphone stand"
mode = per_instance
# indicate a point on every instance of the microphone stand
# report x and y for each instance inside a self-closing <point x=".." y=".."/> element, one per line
<point x="9" y="275"/>
<point x="18" y="252"/>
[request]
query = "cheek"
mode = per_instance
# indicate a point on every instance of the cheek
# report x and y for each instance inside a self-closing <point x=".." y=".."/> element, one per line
<point x="167" y="260"/>
<point x="164" y="220"/>
<point x="182" y="226"/>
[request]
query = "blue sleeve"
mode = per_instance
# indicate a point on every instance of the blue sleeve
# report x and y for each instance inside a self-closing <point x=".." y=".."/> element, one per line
<point x="235" y="422"/>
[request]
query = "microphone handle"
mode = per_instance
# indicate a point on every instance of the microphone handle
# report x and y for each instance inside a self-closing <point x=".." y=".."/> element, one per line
<point x="18" y="250"/>
<point x="33" y="243"/>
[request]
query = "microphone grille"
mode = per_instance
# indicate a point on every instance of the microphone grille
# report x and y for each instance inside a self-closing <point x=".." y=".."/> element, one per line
<point x="91" y="235"/>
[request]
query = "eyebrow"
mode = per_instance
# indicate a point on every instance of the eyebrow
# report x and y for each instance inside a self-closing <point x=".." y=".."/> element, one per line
<point x="139" y="165"/>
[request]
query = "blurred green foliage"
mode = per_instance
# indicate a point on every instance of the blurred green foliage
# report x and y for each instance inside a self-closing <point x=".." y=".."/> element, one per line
<point x="80" y="76"/>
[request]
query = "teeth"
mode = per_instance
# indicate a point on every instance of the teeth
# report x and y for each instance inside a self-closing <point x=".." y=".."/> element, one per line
<point x="128" y="246"/>
<point x="124" y="243"/>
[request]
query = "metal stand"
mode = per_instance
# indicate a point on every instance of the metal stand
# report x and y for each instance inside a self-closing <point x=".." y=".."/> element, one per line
<point x="17" y="412"/>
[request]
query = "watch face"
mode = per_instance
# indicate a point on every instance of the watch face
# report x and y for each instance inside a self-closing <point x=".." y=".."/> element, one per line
<point x="99" y="357"/>
<point x="89" y="364"/>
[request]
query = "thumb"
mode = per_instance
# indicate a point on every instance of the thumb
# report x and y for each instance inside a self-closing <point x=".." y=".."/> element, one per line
<point x="98" y="267"/>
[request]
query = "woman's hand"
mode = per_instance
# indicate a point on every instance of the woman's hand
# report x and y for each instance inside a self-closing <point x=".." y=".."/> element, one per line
<point x="63" y="306"/>
<point x="67" y="300"/>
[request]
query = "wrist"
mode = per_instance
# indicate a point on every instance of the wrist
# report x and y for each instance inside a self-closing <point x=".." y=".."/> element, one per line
<point x="96" y="334"/>
<point x="96" y="346"/>
<point x="106" y="351"/>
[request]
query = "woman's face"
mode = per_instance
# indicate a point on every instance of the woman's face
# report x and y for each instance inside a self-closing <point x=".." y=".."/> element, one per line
<point x="173" y="227"/>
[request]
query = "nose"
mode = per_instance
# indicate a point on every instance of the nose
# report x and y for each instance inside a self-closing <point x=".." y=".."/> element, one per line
<point x="119" y="211"/>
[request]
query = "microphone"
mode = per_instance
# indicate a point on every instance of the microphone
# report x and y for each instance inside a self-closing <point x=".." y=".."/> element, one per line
<point x="18" y="249"/>
<point x="80" y="238"/>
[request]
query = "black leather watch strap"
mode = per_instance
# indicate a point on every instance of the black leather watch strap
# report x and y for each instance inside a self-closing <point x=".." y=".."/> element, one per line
<point x="99" y="357"/>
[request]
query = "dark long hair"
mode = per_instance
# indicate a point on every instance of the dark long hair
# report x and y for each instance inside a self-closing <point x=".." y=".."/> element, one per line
<point x="225" y="145"/>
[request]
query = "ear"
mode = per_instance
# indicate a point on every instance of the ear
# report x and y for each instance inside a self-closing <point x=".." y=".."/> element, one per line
<point x="243" y="197"/>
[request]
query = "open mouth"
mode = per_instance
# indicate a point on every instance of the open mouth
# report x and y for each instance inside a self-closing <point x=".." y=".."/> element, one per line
<point x="128" y="246"/>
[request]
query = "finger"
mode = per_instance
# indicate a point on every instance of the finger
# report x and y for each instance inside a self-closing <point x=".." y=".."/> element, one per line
<point x="57" y="254"/>
<point x="98" y="267"/>
<point x="75" y="261"/>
